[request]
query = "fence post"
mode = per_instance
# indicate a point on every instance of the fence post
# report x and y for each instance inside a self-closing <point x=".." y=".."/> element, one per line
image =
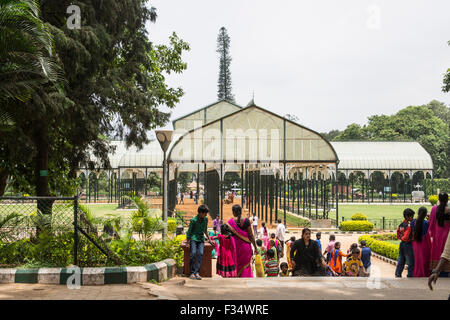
<point x="383" y="223"/>
<point x="75" y="230"/>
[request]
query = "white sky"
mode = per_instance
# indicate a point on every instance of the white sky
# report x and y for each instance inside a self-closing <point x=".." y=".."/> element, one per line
<point x="331" y="63"/>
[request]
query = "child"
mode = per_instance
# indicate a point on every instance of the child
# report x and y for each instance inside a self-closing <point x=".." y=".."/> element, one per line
<point x="288" y="251"/>
<point x="264" y="234"/>
<point x="354" y="267"/>
<point x="318" y="237"/>
<point x="273" y="243"/>
<point x="261" y="249"/>
<point x="195" y="240"/>
<point x="271" y="265"/>
<point x="284" y="269"/>
<point x="336" y="259"/>
<point x="272" y="247"/>
<point x="214" y="234"/>
<point x="366" y="253"/>
<point x="330" y="246"/>
<point x="350" y="250"/>
<point x="260" y="258"/>
<point x="405" y="252"/>
<point x="226" y="262"/>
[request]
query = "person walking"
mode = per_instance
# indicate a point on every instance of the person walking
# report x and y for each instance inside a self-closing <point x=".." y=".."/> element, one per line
<point x="405" y="252"/>
<point x="181" y="198"/>
<point x="330" y="247"/>
<point x="255" y="225"/>
<point x="444" y="263"/>
<point x="438" y="229"/>
<point x="281" y="234"/>
<point x="305" y="256"/>
<point x="264" y="234"/>
<point x="244" y="239"/>
<point x="195" y="238"/>
<point x="226" y="262"/>
<point x="366" y="254"/>
<point x="217" y="223"/>
<point x="421" y="244"/>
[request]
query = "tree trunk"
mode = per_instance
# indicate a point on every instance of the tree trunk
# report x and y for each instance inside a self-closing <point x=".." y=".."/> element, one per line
<point x="44" y="206"/>
<point x="3" y="179"/>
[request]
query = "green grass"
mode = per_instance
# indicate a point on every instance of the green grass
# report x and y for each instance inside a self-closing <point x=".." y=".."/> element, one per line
<point x="294" y="221"/>
<point x="100" y="210"/>
<point x="376" y="211"/>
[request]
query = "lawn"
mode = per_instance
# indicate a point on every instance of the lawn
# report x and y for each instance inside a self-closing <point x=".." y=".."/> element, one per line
<point x="376" y="211"/>
<point x="294" y="221"/>
<point x="100" y="210"/>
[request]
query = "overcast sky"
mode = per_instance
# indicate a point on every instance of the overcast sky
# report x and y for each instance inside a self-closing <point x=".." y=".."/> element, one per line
<point x="331" y="63"/>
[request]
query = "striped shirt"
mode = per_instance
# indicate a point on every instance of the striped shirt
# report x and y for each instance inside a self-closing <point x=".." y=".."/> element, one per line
<point x="271" y="267"/>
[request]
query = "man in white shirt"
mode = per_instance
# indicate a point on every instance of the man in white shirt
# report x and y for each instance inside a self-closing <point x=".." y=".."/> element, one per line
<point x="281" y="234"/>
<point x="255" y="225"/>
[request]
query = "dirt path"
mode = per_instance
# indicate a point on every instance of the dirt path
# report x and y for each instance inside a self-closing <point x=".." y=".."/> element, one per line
<point x="191" y="210"/>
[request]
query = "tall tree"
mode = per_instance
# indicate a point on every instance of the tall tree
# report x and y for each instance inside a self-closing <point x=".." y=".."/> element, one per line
<point x="114" y="83"/>
<point x="224" y="87"/>
<point x="446" y="86"/>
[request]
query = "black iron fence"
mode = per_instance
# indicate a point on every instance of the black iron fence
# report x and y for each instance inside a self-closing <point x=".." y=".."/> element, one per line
<point x="51" y="230"/>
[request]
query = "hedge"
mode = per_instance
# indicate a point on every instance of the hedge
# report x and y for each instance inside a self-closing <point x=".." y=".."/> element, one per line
<point x="383" y="248"/>
<point x="356" y="225"/>
<point x="359" y="216"/>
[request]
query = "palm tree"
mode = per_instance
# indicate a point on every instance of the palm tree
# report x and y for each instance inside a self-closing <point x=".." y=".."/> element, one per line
<point x="26" y="49"/>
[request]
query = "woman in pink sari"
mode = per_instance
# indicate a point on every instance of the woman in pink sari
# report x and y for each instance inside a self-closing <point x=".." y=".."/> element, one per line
<point x="243" y="237"/>
<point x="421" y="244"/>
<point x="439" y="227"/>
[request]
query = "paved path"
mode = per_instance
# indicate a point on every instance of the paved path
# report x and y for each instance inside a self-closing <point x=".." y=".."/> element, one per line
<point x="23" y="291"/>
<point x="322" y="288"/>
<point x="317" y="288"/>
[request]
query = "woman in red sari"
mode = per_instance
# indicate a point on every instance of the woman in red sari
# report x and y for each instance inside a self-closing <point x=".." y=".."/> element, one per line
<point x="421" y="244"/>
<point x="243" y="237"/>
<point x="439" y="227"/>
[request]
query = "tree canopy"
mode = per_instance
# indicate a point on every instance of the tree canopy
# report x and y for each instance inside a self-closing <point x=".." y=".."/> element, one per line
<point x="113" y="84"/>
<point x="424" y="124"/>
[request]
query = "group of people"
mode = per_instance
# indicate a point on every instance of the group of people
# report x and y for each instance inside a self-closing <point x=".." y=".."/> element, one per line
<point x="305" y="258"/>
<point x="240" y="247"/>
<point x="422" y="241"/>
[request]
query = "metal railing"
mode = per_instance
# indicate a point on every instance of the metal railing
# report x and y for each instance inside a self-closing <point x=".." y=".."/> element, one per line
<point x="49" y="223"/>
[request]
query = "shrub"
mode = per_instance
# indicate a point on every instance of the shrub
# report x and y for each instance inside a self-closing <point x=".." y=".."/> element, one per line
<point x="359" y="216"/>
<point x="383" y="248"/>
<point x="433" y="199"/>
<point x="171" y="225"/>
<point x="356" y="225"/>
